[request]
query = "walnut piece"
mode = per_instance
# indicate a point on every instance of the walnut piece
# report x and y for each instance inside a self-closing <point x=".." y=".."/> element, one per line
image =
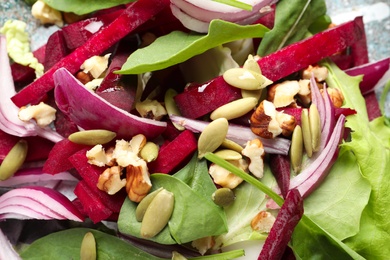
<point x="110" y="180"/>
<point x="226" y="179"/>
<point x="138" y="182"/>
<point x="254" y="150"/>
<point x="263" y="222"/>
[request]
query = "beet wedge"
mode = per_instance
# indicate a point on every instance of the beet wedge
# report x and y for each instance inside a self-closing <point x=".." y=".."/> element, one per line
<point x="134" y="15"/>
<point x="275" y="66"/>
<point x="288" y="217"/>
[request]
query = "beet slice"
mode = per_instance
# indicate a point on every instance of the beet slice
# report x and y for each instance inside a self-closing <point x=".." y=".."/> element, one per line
<point x="280" y="167"/>
<point x="136" y="14"/>
<point x="372" y="105"/>
<point x="92" y="205"/>
<point x="175" y="153"/>
<point x="56" y="49"/>
<point x="58" y="157"/>
<point x="200" y="100"/>
<point x="90" y="174"/>
<point x="288" y="217"/>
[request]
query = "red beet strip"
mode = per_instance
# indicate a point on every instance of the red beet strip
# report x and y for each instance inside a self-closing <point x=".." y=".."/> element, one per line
<point x="280" y="167"/>
<point x="288" y="217"/>
<point x="136" y="14"/>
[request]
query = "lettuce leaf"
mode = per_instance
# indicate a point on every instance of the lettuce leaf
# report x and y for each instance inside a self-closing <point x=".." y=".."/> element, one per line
<point x="370" y="144"/>
<point x="84" y="7"/>
<point x="180" y="46"/>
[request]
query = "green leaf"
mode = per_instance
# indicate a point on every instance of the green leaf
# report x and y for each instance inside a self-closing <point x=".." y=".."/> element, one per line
<point x="192" y="187"/>
<point x="66" y="245"/>
<point x="370" y="144"/>
<point x="84" y="7"/>
<point x="292" y="20"/>
<point x="334" y="205"/>
<point x="178" y="46"/>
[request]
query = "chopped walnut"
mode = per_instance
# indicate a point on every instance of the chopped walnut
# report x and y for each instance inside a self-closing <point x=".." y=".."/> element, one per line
<point x="97" y="156"/>
<point x="304" y="93"/>
<point x="254" y="150"/>
<point x="203" y="244"/>
<point x="263" y="222"/>
<point x="336" y="96"/>
<point x="282" y="94"/>
<point x="46" y="14"/>
<point x="42" y="113"/>
<point x="151" y="109"/>
<point x="138" y="183"/>
<point x="110" y="180"/>
<point x="226" y="179"/>
<point x="320" y="73"/>
<point x="95" y="65"/>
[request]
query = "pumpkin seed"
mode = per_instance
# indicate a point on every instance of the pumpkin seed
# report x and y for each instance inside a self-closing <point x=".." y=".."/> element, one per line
<point x="13" y="160"/>
<point x="296" y="149"/>
<point x="235" y="108"/>
<point x="244" y="79"/>
<point x="88" y="247"/>
<point x="305" y="123"/>
<point x="171" y="107"/>
<point x="177" y="256"/>
<point x="157" y="214"/>
<point x="149" y="152"/>
<point x="315" y="127"/>
<point x="223" y="197"/>
<point x="251" y="64"/>
<point x="92" y="137"/>
<point x="252" y="93"/>
<point x="229" y="144"/>
<point x="228" y="154"/>
<point x="212" y="136"/>
<point x="144" y="204"/>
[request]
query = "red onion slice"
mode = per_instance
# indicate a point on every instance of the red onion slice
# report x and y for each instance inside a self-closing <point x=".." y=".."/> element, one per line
<point x="6" y="249"/>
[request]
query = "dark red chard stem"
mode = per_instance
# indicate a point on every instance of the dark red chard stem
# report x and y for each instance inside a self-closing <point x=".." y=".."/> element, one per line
<point x="288" y="217"/>
<point x="136" y="14"/>
<point x="280" y="167"/>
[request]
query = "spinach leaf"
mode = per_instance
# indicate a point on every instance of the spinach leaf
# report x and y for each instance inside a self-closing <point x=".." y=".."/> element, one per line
<point x="66" y="245"/>
<point x="338" y="203"/>
<point x="178" y="46"/>
<point x="370" y="144"/>
<point x="82" y="6"/>
<point x="192" y="187"/>
<point x="249" y="201"/>
<point x="292" y="20"/>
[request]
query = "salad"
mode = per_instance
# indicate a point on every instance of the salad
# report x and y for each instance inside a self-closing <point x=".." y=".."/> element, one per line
<point x="188" y="129"/>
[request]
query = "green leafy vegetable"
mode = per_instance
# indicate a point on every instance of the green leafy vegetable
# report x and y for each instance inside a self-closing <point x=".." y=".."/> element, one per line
<point x="192" y="187"/>
<point x="66" y="245"/>
<point x="82" y="6"/>
<point x="370" y="144"/>
<point x="382" y="101"/>
<point x="292" y="20"/>
<point x="178" y="46"/>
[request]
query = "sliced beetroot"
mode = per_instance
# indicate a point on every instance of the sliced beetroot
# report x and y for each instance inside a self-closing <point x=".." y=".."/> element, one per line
<point x="175" y="153"/>
<point x="92" y="205"/>
<point x="90" y="111"/>
<point x="119" y="97"/>
<point x="134" y="15"/>
<point x="372" y="104"/>
<point x="64" y="126"/>
<point x="56" y="49"/>
<point x="90" y="174"/>
<point x="288" y="217"/>
<point x="171" y="132"/>
<point x="57" y="160"/>
<point x="200" y="99"/>
<point x="293" y="111"/>
<point x="359" y="48"/>
<point x="280" y="167"/>
<point x="346" y="111"/>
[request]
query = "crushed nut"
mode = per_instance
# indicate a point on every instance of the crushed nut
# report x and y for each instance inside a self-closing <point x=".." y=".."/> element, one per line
<point x="97" y="156"/>
<point x="95" y="65"/>
<point x="42" y="113"/>
<point x="110" y="180"/>
<point x="282" y="94"/>
<point x="254" y="150"/>
<point x="304" y="93"/>
<point x="84" y="77"/>
<point x="268" y="123"/>
<point x="336" y="96"/>
<point x="203" y="244"/>
<point x="138" y="183"/>
<point x="151" y="109"/>
<point x="226" y="179"/>
<point x="320" y="73"/>
<point x="126" y="153"/>
<point x="263" y="222"/>
<point x="46" y="14"/>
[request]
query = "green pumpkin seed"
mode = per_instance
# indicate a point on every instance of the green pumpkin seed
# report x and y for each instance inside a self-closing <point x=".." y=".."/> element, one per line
<point x="88" y="247"/>
<point x="315" y="127"/>
<point x="252" y="93"/>
<point x="171" y="107"/>
<point x="251" y="64"/>
<point x="305" y="123"/>
<point x="212" y="136"/>
<point x="144" y="204"/>
<point x="228" y="154"/>
<point x="149" y="152"/>
<point x="177" y="256"/>
<point x="234" y="109"/>
<point x="296" y="149"/>
<point x="92" y="137"/>
<point x="157" y="214"/>
<point x="229" y="144"/>
<point x="14" y="160"/>
<point x="244" y="79"/>
<point x="223" y="197"/>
